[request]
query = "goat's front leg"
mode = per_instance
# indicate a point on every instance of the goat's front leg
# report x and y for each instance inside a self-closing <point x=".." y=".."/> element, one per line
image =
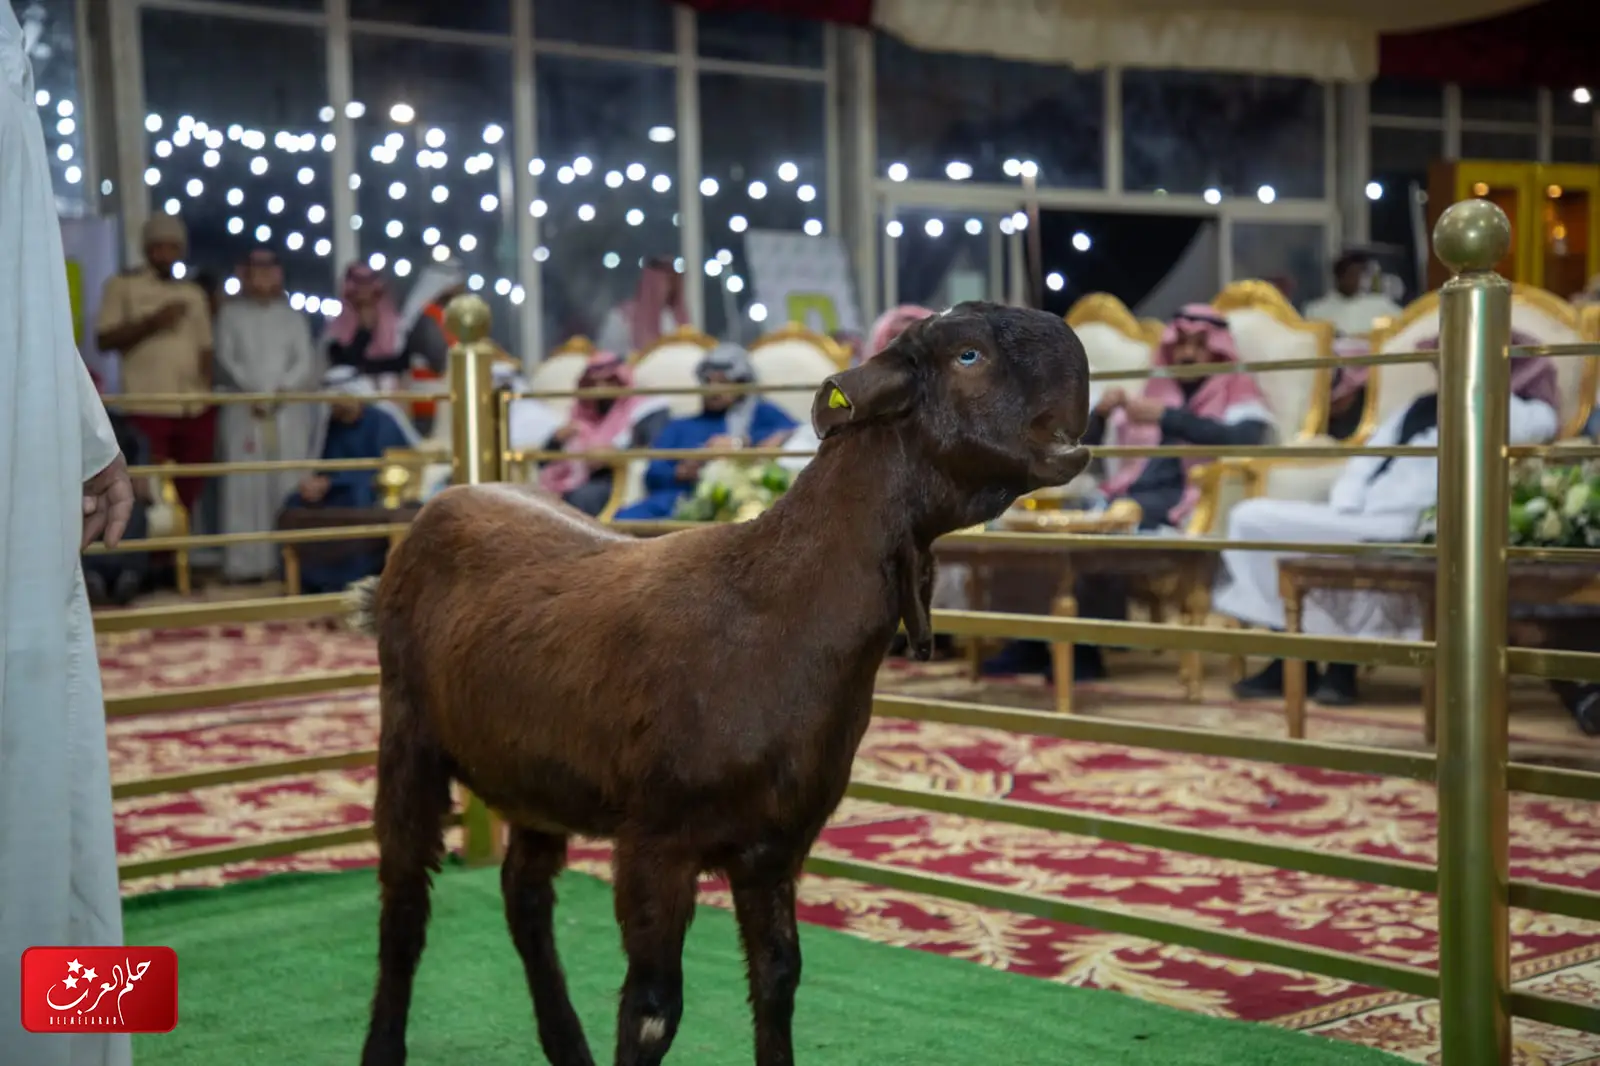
<point x="765" y="908"/>
<point x="654" y="892"/>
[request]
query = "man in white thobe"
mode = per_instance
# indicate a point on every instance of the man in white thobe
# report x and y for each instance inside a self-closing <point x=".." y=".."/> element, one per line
<point x="263" y="345"/>
<point x="1375" y="499"/>
<point x="1353" y="305"/>
<point x="62" y="483"/>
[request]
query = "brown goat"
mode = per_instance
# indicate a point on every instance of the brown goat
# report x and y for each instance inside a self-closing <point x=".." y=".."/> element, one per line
<point x="699" y="697"/>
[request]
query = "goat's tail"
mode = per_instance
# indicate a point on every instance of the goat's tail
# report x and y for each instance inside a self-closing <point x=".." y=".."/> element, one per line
<point x="359" y="602"/>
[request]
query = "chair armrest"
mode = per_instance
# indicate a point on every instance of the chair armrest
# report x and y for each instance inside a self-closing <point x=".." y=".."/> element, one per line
<point x="619" y="490"/>
<point x="1212" y="479"/>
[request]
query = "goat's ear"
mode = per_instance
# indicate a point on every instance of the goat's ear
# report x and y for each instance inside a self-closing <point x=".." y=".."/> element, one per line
<point x="878" y="388"/>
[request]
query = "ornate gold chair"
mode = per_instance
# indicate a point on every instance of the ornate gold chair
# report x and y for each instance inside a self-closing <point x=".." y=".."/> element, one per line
<point x="795" y="355"/>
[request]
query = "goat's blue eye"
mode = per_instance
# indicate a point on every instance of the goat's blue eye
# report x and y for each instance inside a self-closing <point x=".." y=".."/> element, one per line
<point x="968" y="357"/>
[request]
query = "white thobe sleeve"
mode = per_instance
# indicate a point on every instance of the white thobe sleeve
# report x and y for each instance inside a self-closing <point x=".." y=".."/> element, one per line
<point x="1351" y="489"/>
<point x="99" y="440"/>
<point x="1532" y="422"/>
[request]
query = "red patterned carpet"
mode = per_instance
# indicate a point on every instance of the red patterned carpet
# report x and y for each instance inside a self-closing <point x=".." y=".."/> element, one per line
<point x="1556" y="841"/>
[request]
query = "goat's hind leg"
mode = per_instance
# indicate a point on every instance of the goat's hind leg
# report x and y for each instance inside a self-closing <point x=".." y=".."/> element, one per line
<point x="654" y="890"/>
<point x="526" y="880"/>
<point x="408" y="817"/>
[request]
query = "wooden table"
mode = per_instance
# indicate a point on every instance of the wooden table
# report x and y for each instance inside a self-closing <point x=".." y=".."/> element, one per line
<point x="1531" y="583"/>
<point x="1178" y="576"/>
<point x="294" y="555"/>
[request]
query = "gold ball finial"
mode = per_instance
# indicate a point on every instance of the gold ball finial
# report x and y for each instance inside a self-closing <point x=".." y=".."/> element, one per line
<point x="468" y="317"/>
<point x="1472" y="236"/>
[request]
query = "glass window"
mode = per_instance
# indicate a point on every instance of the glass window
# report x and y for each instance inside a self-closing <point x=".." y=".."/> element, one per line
<point x="1405" y="151"/>
<point x="967" y="117"/>
<point x="1083" y="252"/>
<point x="483" y="16"/>
<point x="1413" y="99"/>
<point x="943" y="256"/>
<point x="763" y="163"/>
<point x="757" y="37"/>
<point x="1400" y="162"/>
<point x="238" y="138"/>
<point x="1568" y="110"/>
<point x="608" y="185"/>
<point x="642" y="24"/>
<point x="1565" y="149"/>
<point x="1481" y="145"/>
<point x="1187" y="131"/>
<point x="1500" y="105"/>
<point x="54" y="55"/>
<point x="1293" y="256"/>
<point x="434" y="163"/>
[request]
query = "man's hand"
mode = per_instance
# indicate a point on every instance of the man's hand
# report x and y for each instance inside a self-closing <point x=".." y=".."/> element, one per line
<point x="262" y="410"/>
<point x="565" y="433"/>
<point x="776" y="440"/>
<point x="313" y="487"/>
<point x="1110" y="400"/>
<point x="167" y="315"/>
<point x="107" y="504"/>
<point x="688" y="470"/>
<point x="1140" y="410"/>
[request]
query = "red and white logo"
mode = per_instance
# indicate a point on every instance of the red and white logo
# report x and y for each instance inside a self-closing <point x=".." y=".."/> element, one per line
<point x="99" y="989"/>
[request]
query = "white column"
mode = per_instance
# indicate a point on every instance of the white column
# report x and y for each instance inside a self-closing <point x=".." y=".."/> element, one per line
<point x="524" y="146"/>
<point x="690" y="222"/>
<point x="831" y="120"/>
<point x="127" y="94"/>
<point x="874" y="293"/>
<point x="1111" y="135"/>
<point x="341" y="90"/>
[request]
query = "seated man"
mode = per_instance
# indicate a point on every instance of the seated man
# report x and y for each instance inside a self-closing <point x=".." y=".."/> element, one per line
<point x="1221" y="409"/>
<point x="349" y="429"/>
<point x="1375" y="499"/>
<point x="726" y="420"/>
<point x="600" y="425"/>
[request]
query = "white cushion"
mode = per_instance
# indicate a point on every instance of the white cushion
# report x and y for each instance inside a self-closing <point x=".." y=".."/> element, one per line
<point x="1262" y="336"/>
<point x="792" y="360"/>
<point x="560" y="372"/>
<point x="671" y="365"/>
<point x="1114" y="341"/>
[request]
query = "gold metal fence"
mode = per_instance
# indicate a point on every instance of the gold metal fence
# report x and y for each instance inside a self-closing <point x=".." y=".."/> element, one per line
<point x="1471" y="663"/>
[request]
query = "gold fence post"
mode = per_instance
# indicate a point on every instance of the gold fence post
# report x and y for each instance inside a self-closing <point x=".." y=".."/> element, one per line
<point x="1470" y="657"/>
<point x="474" y="459"/>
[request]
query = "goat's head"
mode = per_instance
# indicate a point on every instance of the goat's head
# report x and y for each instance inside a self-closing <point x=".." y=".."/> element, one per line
<point x="994" y="398"/>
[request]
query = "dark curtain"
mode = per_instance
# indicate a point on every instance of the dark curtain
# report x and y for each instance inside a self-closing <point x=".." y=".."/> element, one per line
<point x="1550" y="43"/>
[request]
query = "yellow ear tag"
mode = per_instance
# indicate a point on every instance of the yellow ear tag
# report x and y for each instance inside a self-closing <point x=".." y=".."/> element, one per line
<point x="836" y="399"/>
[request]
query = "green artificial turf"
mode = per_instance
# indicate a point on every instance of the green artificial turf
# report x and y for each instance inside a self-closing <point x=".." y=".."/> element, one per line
<point x="280" y="970"/>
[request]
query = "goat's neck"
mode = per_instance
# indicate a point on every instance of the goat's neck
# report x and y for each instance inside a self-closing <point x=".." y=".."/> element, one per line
<point x="868" y="512"/>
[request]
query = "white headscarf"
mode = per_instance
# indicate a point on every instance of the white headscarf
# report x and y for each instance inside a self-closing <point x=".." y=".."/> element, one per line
<point x="348" y="381"/>
<point x="431" y="281"/>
